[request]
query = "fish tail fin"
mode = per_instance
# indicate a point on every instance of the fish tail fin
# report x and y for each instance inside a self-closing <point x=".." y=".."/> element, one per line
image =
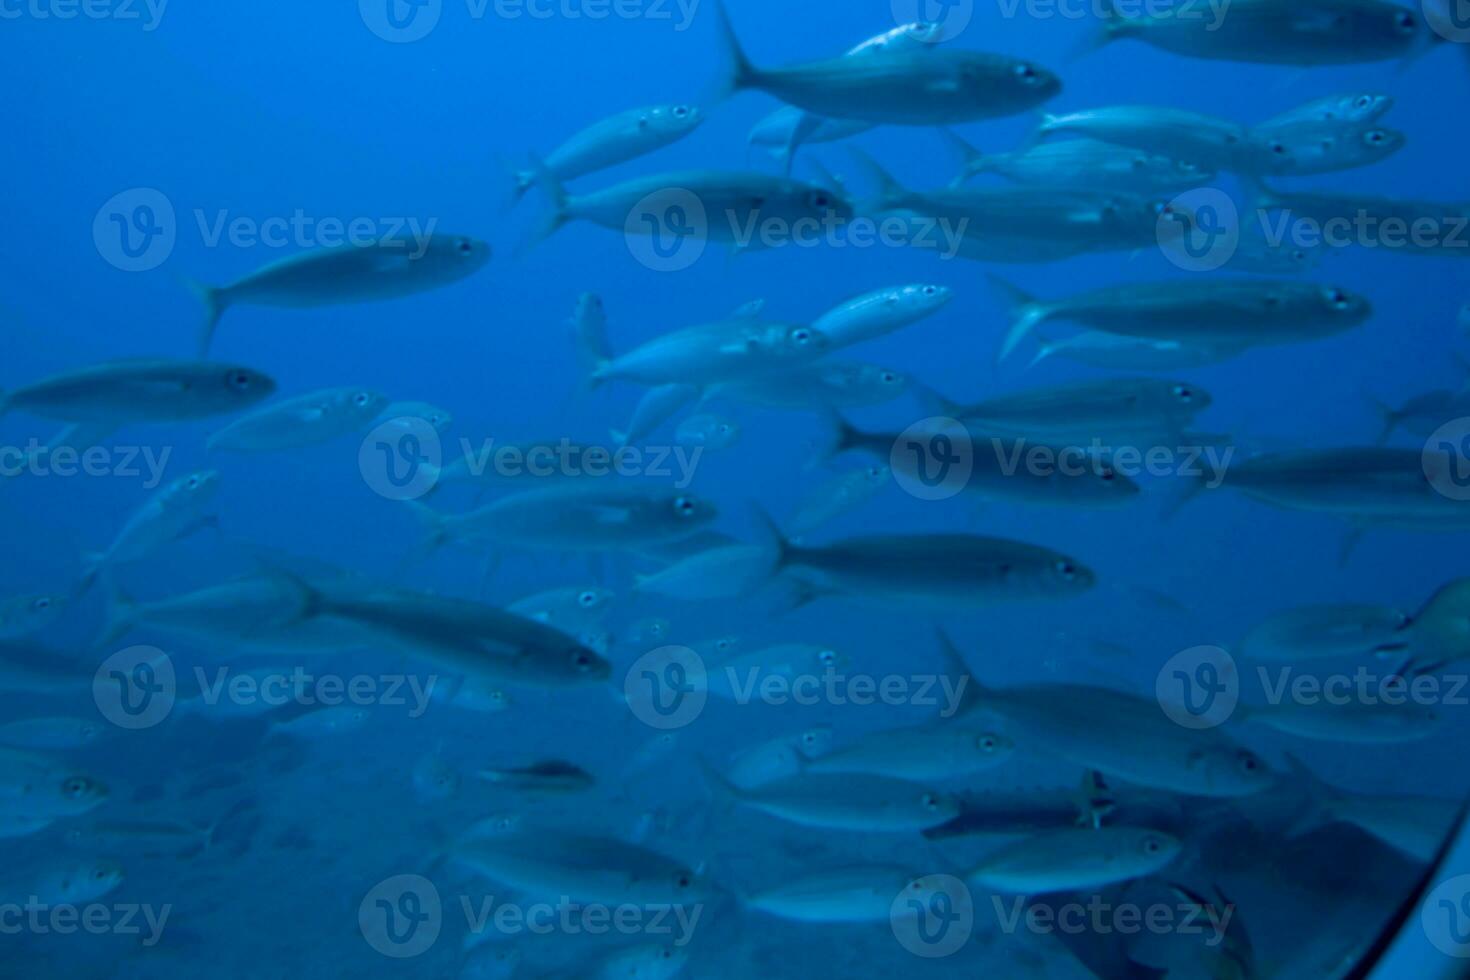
<point x="891" y="194"/>
<point x="739" y="72"/>
<point x="804" y="128"/>
<point x="1045" y="348"/>
<point x="838" y="436"/>
<point x="971" y="160"/>
<point x="93" y="562"/>
<point x="1386" y="415"/>
<point x="931" y="401"/>
<point x="520" y="182"/>
<point x="589" y="328"/>
<point x="216" y="301"/>
<point x="1025" y="312"/>
<point x="1096" y="799"/>
<point x="119" y="612"/>
<point x="1114" y="25"/>
<point x="771" y="538"/>
<point x="559" y="210"/>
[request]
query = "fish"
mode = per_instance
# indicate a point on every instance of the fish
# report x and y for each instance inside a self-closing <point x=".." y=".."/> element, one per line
<point x="70" y="883"/>
<point x="602" y="870"/>
<point x="1304" y="149"/>
<point x="617" y="139"/>
<point x="1079" y="413"/>
<point x="880" y="312"/>
<point x="858" y="893"/>
<point x="935" y="571"/>
<point x="1308" y="33"/>
<point x="1176" y="134"/>
<point x="873" y="804"/>
<point x="475" y="694"/>
<point x="1336" y="218"/>
<point x="899" y="87"/>
<point x="738" y="676"/>
<point x="1244" y="312"/>
<point x="1374" y="721"/>
<point x="391" y="268"/>
<point x="53" y="733"/>
<point x="173" y="511"/>
<point x="305" y="420"/>
<point x="37" y="785"/>
<point x="1022" y="813"/>
<point x="1124" y="353"/>
<point x="1424" y="414"/>
<point x="836" y="497"/>
<point x="36" y="671"/>
<point x="554" y="776"/>
<point x="708" y="432"/>
<point x="1415" y="825"/>
<point x="648" y="961"/>
<point x="719" y="573"/>
<point x="1119" y="735"/>
<point x="918" y="753"/>
<point x="658" y="404"/>
<point x="141" y="391"/>
<point x="31" y="612"/>
<point x="777" y="758"/>
<point x="1440" y="630"/>
<point x="732" y="204"/>
<point x="402" y="414"/>
<point x="150" y="838"/>
<point x="819" y="387"/>
<point x="434" y="779"/>
<point x="1061" y="860"/>
<point x="571" y="609"/>
<point x="1083" y="162"/>
<point x="328" y="722"/>
<point x="1346" y="630"/>
<point x="998" y="467"/>
<point x="1352" y="107"/>
<point x="573" y="518"/>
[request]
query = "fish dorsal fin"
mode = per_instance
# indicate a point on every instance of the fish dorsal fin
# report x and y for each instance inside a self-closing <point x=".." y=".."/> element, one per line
<point x="749" y="311"/>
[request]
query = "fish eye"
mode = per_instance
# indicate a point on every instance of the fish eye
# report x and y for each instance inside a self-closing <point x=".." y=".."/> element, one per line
<point x="1278" y="148"/>
<point x="801" y="336"/>
<point x="1066" y="569"/>
<point x="1363" y="101"/>
<point x="41" y="603"/>
<point x="987" y="743"/>
<point x="1299" y="256"/>
<point x="587" y="598"/>
<point x="1339" y="299"/>
<point x="930" y="802"/>
<point x="1106" y="475"/>
<point x="722" y="645"/>
<point x="684" y="506"/>
<point x="101" y="874"/>
<point x="684" y="880"/>
<point x="1183" y="393"/>
<point x="361" y="399"/>
<point x="1152" y="845"/>
<point x="1375" y="136"/>
<point x="680" y="111"/>
<point x="240" y="380"/>
<point x="1026" y="73"/>
<point x="888" y="377"/>
<point x="1406" y="22"/>
<point x="931" y="290"/>
<point x="582" y="661"/>
<point x="75" y="787"/>
<point x="827" y="657"/>
<point x="465" y="246"/>
<point x="875" y="471"/>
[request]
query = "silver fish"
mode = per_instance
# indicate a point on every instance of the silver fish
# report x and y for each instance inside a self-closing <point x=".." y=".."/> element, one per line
<point x="120" y="392"/>
<point x="614" y="140"/>
<point x="305" y="420"/>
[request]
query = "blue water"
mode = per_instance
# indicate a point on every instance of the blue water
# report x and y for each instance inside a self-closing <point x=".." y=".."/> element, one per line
<point x="272" y="108"/>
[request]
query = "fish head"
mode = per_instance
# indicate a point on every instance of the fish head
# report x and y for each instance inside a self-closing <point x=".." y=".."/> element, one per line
<point x="672" y="120"/>
<point x="1342" y="305"/>
<point x="1183" y="398"/>
<point x="192" y="490"/>
<point x="652" y="962"/>
<point x="1105" y="485"/>
<point x="685" y="513"/>
<point x="90" y="880"/>
<point x="1358" y="108"/>
<point x="80" y="793"/>
<point x="593" y="597"/>
<point x="919" y="300"/>
<point x="826" y="658"/>
<point x="363" y="403"/>
<point x="1061" y="575"/>
<point x="244" y="385"/>
<point x="1149" y="848"/>
<point x="823" y="203"/>
<point x="29" y="613"/>
<point x="1026" y="83"/>
<point x="814" y="741"/>
<point x="1234" y="771"/>
<point x="939" y="806"/>
<point x="991" y="746"/>
<point x="452" y="256"/>
<point x="1380" y="141"/>
<point x="581" y="665"/>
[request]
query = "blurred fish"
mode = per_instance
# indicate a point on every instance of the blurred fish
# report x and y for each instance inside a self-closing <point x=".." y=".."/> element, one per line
<point x="819" y="387"/>
<point x="1440" y="631"/>
<point x="1416" y="825"/>
<point x="306" y="420"/>
<point x="707" y="431"/>
<point x="861" y="893"/>
<point x="330" y="722"/>
<point x="573" y="518"/>
<point x="491" y="961"/>
<point x="737" y="678"/>
<point x="1175" y="134"/>
<point x="435" y="779"/>
<point x="1347" y="630"/>
<point x="1061" y="860"/>
<point x="1083" y="163"/>
<point x="404" y="413"/>
<point x="172" y="512"/>
<point x="65" y="882"/>
<point x="554" y="776"/>
<point x="1379" y="719"/>
<point x="658" y="404"/>
<point x="558" y="864"/>
<point x="1310" y="32"/>
<point x="1013" y="813"/>
<point x="919" y="753"/>
<point x="390" y="268"/>
<point x="35" y="785"/>
<point x="1244" y="312"/>
<point x="1423" y="414"/>
<point x="1077" y="413"/>
<point x="649" y="961"/>
<point x="719" y="573"/>
<point x="838" y="496"/>
<point x="151" y="838"/>
<point x="570" y="609"/>
<point x="1306" y="148"/>
<point x="120" y="392"/>
<point x="880" y="312"/>
<point x="1361" y="107"/>
<point x="777" y="758"/>
<point x="614" y="140"/>
<point x="1120" y="352"/>
<point x="651" y="753"/>
<point x="475" y="694"/>
<point x="22" y="615"/>
<point x="53" y="733"/>
<point x="1350" y="213"/>
<point x="875" y="804"/>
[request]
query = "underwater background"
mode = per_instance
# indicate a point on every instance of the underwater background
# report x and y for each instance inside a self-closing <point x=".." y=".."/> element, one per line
<point x="272" y="109"/>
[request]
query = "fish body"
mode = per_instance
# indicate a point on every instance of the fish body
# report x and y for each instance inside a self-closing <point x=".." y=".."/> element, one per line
<point x="1083" y="858"/>
<point x="172" y="512"/>
<point x="306" y="420"/>
<point x="123" y="392"/>
<point x="617" y="139"/>
<point x="583" y="869"/>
